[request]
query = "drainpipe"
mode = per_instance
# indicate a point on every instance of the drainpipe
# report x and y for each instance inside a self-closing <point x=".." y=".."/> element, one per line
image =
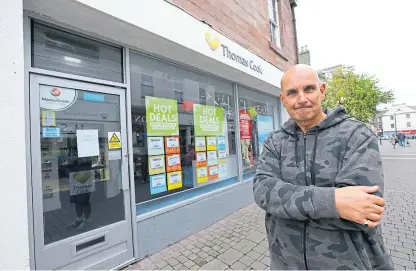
<point x="293" y="4"/>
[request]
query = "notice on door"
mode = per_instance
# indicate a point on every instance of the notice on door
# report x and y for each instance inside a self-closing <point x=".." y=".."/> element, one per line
<point x="87" y="143"/>
<point x="114" y="141"/>
<point x="81" y="182"/>
<point x="48" y="118"/>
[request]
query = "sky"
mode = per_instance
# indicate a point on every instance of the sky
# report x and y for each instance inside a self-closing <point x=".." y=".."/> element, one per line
<point x="378" y="37"/>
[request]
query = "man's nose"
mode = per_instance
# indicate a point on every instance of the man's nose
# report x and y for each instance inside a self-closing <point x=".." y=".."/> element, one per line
<point x="302" y="98"/>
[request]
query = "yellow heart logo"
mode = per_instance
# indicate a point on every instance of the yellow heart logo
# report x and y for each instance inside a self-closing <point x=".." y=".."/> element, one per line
<point x="212" y="42"/>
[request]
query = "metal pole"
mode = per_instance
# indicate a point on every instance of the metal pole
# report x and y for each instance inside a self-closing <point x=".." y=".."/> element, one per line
<point x="395" y="123"/>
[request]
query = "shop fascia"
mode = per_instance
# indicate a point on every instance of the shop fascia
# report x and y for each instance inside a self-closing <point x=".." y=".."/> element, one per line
<point x="240" y="60"/>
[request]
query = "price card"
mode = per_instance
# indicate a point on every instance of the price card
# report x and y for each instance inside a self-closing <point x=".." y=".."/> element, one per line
<point x="200" y="144"/>
<point x="173" y="162"/>
<point x="174" y="180"/>
<point x="155" y="146"/>
<point x="212" y="158"/>
<point x="172" y="144"/>
<point x="156" y="164"/>
<point x="211" y="143"/>
<point x="201" y="159"/>
<point x="202" y="174"/>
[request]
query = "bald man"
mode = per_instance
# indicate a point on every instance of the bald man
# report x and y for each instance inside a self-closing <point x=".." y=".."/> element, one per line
<point x="320" y="181"/>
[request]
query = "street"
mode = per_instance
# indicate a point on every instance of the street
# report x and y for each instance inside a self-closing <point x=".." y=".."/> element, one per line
<point x="238" y="242"/>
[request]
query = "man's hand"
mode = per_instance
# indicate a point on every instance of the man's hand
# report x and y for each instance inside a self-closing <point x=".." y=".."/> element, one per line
<point x="355" y="203"/>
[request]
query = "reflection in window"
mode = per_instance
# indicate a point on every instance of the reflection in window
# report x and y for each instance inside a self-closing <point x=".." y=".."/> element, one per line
<point x="184" y="91"/>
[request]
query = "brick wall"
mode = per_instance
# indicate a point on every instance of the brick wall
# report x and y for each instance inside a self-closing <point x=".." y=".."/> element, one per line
<point x="247" y="23"/>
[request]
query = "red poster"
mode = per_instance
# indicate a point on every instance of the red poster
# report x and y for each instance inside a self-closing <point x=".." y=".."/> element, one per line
<point x="245" y="125"/>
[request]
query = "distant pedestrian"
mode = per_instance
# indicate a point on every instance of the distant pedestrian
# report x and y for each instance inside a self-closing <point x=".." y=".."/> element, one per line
<point x="320" y="181"/>
<point x="401" y="137"/>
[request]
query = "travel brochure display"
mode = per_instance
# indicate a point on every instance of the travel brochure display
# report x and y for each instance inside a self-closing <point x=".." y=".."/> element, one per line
<point x="245" y="137"/>
<point x="210" y="142"/>
<point x="201" y="159"/>
<point x="158" y="184"/>
<point x="173" y="162"/>
<point x="201" y="174"/>
<point x="155" y="145"/>
<point x="172" y="144"/>
<point x="174" y="180"/>
<point x="163" y="145"/>
<point x="200" y="144"/>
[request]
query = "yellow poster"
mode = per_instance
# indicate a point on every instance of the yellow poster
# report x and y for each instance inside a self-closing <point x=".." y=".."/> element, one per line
<point x="48" y="118"/>
<point x="114" y="141"/>
<point x="200" y="144"/>
<point x="156" y="164"/>
<point x="201" y="174"/>
<point x="211" y="143"/>
<point x="174" y="180"/>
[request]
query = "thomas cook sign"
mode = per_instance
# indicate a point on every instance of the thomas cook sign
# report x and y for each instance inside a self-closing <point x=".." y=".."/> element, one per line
<point x="214" y="43"/>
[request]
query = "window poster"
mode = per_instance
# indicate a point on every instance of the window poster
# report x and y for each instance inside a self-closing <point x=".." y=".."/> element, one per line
<point x="161" y="117"/>
<point x="222" y="170"/>
<point x="222" y="156"/>
<point x="173" y="162"/>
<point x="201" y="174"/>
<point x="157" y="184"/>
<point x="201" y="159"/>
<point x="174" y="180"/>
<point x="221" y="143"/>
<point x="211" y="143"/>
<point x="212" y="173"/>
<point x="264" y="128"/>
<point x="212" y="158"/>
<point x="81" y="182"/>
<point x="156" y="164"/>
<point x="172" y="144"/>
<point x="208" y="120"/>
<point x="155" y="145"/>
<point x="200" y="144"/>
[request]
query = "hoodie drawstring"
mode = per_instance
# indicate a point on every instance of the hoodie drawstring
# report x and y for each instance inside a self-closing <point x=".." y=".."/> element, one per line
<point x="296" y="146"/>
<point x="315" y="146"/>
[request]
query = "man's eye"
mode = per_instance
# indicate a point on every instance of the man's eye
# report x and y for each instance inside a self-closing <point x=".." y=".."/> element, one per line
<point x="289" y="93"/>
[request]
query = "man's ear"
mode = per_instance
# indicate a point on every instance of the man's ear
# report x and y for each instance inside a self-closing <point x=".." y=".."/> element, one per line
<point x="282" y="99"/>
<point x="322" y="89"/>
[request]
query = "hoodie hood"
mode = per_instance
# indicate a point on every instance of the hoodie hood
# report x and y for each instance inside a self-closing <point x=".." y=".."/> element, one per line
<point x="334" y="117"/>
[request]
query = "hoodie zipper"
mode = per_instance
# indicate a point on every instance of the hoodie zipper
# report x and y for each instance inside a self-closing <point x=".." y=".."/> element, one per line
<point x="306" y="223"/>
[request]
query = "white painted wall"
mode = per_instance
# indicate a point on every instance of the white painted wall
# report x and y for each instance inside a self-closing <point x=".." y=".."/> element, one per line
<point x="14" y="244"/>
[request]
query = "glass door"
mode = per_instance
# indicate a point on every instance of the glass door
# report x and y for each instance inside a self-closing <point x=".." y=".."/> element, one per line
<point x="80" y="181"/>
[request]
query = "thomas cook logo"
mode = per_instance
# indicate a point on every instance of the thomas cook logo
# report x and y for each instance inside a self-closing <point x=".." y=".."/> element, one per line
<point x="55" y="92"/>
<point x="213" y="43"/>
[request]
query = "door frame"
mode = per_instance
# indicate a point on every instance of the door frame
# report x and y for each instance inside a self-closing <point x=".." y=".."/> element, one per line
<point x="35" y="180"/>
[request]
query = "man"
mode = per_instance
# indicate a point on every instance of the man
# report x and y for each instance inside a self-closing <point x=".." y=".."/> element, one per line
<point x="320" y="181"/>
<point x="402" y="138"/>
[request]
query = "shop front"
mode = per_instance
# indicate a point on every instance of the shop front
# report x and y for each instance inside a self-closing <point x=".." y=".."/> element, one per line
<point x="133" y="150"/>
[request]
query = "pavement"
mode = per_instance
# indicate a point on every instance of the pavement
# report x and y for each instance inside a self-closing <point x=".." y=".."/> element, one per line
<point x="238" y="242"/>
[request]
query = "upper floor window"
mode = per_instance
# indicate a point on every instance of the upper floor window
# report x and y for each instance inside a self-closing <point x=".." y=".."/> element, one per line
<point x="391" y="117"/>
<point x="408" y="116"/>
<point x="274" y="22"/>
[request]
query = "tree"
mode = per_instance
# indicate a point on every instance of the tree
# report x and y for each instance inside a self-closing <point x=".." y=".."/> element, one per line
<point x="358" y="93"/>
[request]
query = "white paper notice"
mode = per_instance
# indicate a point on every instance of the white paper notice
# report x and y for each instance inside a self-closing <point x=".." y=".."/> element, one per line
<point x="222" y="154"/>
<point x="173" y="142"/>
<point x="173" y="160"/>
<point x="202" y="172"/>
<point x="174" y="178"/>
<point x="212" y="158"/>
<point x="201" y="157"/>
<point x="155" y="145"/>
<point x="156" y="162"/>
<point x="114" y="155"/>
<point x="87" y="143"/>
<point x="200" y="142"/>
<point x="222" y="168"/>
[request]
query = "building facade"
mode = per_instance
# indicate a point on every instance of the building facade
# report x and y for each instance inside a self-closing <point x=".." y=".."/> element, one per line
<point x="400" y="118"/>
<point x="125" y="132"/>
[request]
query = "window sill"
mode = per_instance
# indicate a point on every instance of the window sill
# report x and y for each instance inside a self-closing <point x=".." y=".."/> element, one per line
<point x="277" y="50"/>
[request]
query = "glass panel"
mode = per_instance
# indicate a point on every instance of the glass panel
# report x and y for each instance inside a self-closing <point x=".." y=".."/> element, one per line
<point x="257" y="118"/>
<point x="182" y="90"/>
<point x="81" y="170"/>
<point x="56" y="50"/>
<point x="271" y="5"/>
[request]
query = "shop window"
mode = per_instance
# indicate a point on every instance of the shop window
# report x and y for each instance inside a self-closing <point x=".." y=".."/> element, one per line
<point x="408" y="116"/>
<point x="392" y="117"/>
<point x="392" y="126"/>
<point x="57" y="50"/>
<point x="258" y="116"/>
<point x="409" y="124"/>
<point x="183" y="130"/>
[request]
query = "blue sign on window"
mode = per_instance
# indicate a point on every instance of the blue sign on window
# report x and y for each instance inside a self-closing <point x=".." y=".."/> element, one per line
<point x="49" y="132"/>
<point x="94" y="97"/>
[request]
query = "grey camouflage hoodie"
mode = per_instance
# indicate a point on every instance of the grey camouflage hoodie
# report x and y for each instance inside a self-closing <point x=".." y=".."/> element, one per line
<point x="295" y="184"/>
